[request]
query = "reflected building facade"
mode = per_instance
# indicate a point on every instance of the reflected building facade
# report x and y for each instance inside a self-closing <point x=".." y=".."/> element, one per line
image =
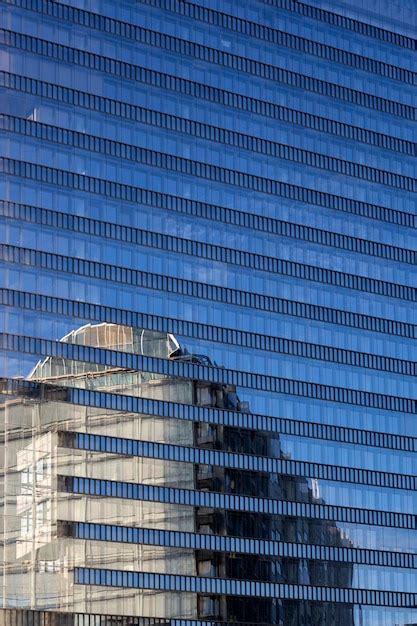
<point x="208" y="313"/>
<point x="63" y="519"/>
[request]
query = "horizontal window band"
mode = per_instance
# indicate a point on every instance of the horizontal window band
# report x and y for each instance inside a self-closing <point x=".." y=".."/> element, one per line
<point x="243" y="588"/>
<point x="129" y="193"/>
<point x="223" y="543"/>
<point x="210" y="133"/>
<point x="40" y="617"/>
<point x="205" y="373"/>
<point x="234" y="460"/>
<point x="300" y="8"/>
<point x="347" y="23"/>
<point x="117" y="149"/>
<point x="266" y="33"/>
<point x="127" y="30"/>
<point x="89" y="184"/>
<point x="173" y="284"/>
<point x="216" y="334"/>
<point x="198" y="414"/>
<point x="146" y="280"/>
<point x="129" y="71"/>
<point x="181" y="165"/>
<point x="205" y="54"/>
<point x="28" y="617"/>
<point x="90" y="311"/>
<point x="209" y="251"/>
<point x="121" y="232"/>
<point x="132" y="112"/>
<point x="78" y="485"/>
<point x="207" y="332"/>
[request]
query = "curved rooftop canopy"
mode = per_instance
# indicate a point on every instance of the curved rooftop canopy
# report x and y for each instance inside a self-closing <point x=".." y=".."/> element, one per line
<point x="111" y="337"/>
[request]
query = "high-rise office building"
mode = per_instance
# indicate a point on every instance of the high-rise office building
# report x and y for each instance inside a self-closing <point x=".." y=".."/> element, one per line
<point x="208" y="313"/>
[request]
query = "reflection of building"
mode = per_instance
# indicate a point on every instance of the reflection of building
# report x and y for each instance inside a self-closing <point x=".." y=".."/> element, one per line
<point x="48" y="529"/>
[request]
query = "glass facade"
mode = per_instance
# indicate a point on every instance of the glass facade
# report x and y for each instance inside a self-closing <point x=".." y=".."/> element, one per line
<point x="208" y="313"/>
